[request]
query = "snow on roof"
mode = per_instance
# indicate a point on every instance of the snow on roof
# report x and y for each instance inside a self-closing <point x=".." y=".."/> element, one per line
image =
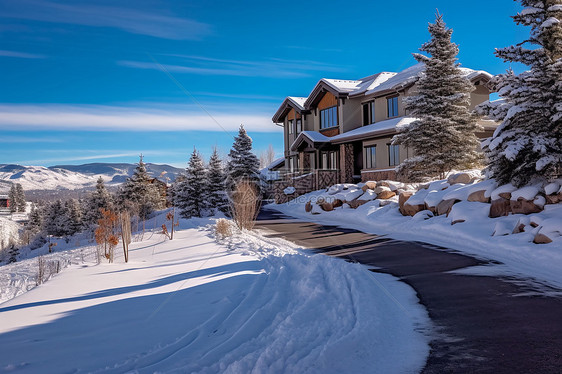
<point x="372" y="81"/>
<point x="341" y="85"/>
<point x="316" y="136"/>
<point x="390" y="124"/>
<point x="469" y="73"/>
<point x="399" y="80"/>
<point x="298" y="101"/>
<point x="275" y="163"/>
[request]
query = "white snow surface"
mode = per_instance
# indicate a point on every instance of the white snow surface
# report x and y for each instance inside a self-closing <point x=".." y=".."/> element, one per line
<point x="8" y="232"/>
<point x="475" y="235"/>
<point x="249" y="304"/>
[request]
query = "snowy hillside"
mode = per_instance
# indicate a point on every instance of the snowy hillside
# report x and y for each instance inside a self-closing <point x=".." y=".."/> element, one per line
<point x="247" y="305"/>
<point x="8" y="232"/>
<point x="72" y="177"/>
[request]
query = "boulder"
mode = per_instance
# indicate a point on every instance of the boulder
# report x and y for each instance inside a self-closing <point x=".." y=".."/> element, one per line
<point x="541" y="239"/>
<point x="445" y="206"/>
<point x="327" y="207"/>
<point x="402" y="198"/>
<point x="380" y="189"/>
<point x="354" y="204"/>
<point x="523" y="206"/>
<point x="385" y="202"/>
<point x="457" y="221"/>
<point x="411" y="210"/>
<point x="478" y="196"/>
<point x="308" y="207"/>
<point x="464" y="178"/>
<point x="386" y="195"/>
<point x="505" y="195"/>
<point x="553" y="199"/>
<point x="371" y="185"/>
<point x="499" y="208"/>
<point x="337" y="203"/>
<point x="384" y="184"/>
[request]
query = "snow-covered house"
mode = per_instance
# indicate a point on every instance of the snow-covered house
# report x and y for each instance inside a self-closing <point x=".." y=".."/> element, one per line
<point x="344" y="128"/>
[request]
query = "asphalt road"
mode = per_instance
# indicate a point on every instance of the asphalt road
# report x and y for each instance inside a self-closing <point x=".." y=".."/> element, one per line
<point x="482" y="324"/>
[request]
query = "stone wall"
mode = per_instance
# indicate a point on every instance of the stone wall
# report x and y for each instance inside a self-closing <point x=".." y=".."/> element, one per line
<point x="378" y="175"/>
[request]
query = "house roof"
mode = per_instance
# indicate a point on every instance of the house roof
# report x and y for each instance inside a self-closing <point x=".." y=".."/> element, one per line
<point x="312" y="138"/>
<point x="376" y="129"/>
<point x="290" y="102"/>
<point x="275" y="163"/>
<point x="374" y="85"/>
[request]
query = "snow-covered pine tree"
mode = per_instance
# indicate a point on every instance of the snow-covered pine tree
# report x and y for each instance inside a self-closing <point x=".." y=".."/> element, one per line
<point x="242" y="162"/>
<point x="74" y="212"/>
<point x="13" y="199"/>
<point x="35" y="223"/>
<point x="217" y="197"/>
<point x="443" y="136"/>
<point x="191" y="192"/>
<point x="527" y="145"/>
<point x="140" y="193"/>
<point x="57" y="219"/>
<point x="20" y="198"/>
<point x="97" y="200"/>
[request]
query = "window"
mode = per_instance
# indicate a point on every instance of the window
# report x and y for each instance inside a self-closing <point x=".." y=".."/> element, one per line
<point x="368" y="113"/>
<point x="393" y="154"/>
<point x="392" y="104"/>
<point x="329" y="160"/>
<point x="290" y="125"/>
<point x="329" y="117"/>
<point x="371" y="153"/>
<point x="299" y="126"/>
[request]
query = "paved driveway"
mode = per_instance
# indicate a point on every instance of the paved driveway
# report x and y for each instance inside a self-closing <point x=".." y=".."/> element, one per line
<point x="482" y="324"/>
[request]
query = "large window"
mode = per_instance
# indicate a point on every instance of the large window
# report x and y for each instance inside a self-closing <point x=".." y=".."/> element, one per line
<point x="299" y="126"/>
<point x="329" y="117"/>
<point x="392" y="105"/>
<point x="290" y="125"/>
<point x="371" y="154"/>
<point x="393" y="154"/>
<point x="329" y="160"/>
<point x="368" y="113"/>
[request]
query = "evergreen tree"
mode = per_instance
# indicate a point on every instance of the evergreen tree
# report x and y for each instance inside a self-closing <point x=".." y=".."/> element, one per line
<point x="97" y="200"/>
<point x="140" y="193"/>
<point x="35" y="223"/>
<point x="527" y="145"/>
<point x="72" y="208"/>
<point x="20" y="198"/>
<point x="190" y="194"/>
<point x="443" y="136"/>
<point x="242" y="162"/>
<point x="13" y="199"/>
<point x="217" y="184"/>
<point x="57" y="221"/>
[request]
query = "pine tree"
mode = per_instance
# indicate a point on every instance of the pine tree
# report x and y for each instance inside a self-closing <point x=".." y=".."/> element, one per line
<point x="527" y="147"/>
<point x="72" y="208"/>
<point x="35" y="223"/>
<point x="13" y="199"/>
<point x="218" y="200"/>
<point x="57" y="221"/>
<point x="242" y="162"/>
<point x="97" y="200"/>
<point x="443" y="136"/>
<point x="140" y="194"/>
<point x="20" y="198"/>
<point x="190" y="194"/>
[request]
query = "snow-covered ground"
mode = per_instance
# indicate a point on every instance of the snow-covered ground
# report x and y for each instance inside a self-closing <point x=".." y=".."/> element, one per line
<point x="8" y="233"/>
<point x="248" y="304"/>
<point x="473" y="236"/>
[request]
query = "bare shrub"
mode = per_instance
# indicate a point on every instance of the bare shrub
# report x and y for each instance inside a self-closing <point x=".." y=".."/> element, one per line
<point x="222" y="228"/>
<point x="245" y="203"/>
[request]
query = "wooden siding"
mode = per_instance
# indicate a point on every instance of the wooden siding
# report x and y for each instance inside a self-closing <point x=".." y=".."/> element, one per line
<point x="328" y="101"/>
<point x="330" y="132"/>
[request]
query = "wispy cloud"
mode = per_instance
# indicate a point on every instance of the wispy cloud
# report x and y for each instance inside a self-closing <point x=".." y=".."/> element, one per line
<point x="144" y="22"/>
<point x="95" y="117"/>
<point x="95" y="156"/>
<point x="269" y="68"/>
<point x="5" y="53"/>
<point x="24" y="139"/>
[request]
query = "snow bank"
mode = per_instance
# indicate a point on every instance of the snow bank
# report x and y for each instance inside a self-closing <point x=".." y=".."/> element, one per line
<point x="250" y="304"/>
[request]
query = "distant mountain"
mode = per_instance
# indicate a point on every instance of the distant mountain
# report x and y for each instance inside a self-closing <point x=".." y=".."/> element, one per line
<point x="71" y="177"/>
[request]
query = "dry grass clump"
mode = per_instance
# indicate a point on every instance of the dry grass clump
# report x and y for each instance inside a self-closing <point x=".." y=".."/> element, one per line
<point x="222" y="228"/>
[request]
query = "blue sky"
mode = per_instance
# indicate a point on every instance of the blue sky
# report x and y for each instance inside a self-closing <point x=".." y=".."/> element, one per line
<point x="102" y="81"/>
